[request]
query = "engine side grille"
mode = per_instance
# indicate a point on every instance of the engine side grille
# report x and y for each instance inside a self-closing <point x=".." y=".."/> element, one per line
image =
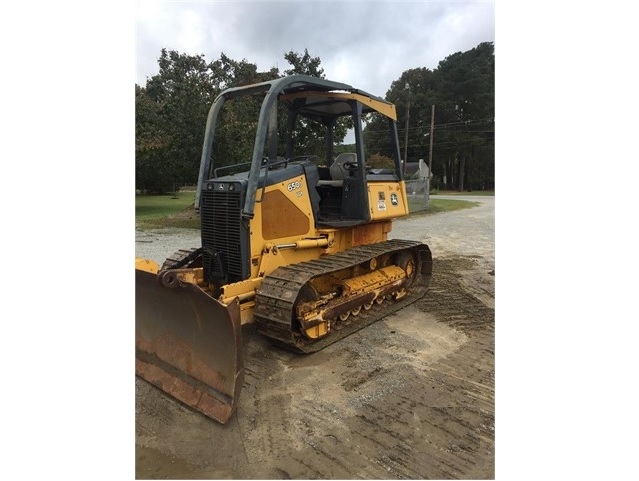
<point x="222" y="231"/>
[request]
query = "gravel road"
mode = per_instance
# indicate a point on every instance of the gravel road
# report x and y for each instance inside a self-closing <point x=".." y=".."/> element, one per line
<point x="411" y="396"/>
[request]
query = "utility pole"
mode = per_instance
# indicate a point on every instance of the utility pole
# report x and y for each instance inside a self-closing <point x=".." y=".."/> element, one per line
<point x="430" y="155"/>
<point x="406" y="134"/>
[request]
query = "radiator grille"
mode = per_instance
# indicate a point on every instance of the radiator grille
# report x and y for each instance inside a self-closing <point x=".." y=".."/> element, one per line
<point x="222" y="230"/>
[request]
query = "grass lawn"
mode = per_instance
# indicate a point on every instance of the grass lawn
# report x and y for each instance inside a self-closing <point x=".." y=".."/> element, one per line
<point x="170" y="210"/>
<point x="176" y="210"/>
<point x="436" y="205"/>
<point x="456" y="192"/>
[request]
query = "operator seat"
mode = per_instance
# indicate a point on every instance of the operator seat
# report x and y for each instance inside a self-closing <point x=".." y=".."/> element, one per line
<point x="338" y="171"/>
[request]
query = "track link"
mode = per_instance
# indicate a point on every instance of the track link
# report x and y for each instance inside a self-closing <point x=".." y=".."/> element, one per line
<point x="275" y="300"/>
<point x="182" y="258"/>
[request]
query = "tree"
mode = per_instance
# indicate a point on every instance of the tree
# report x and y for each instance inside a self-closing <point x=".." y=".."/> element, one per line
<point x="178" y="97"/>
<point x="186" y="90"/>
<point x="172" y="108"/>
<point x="466" y="83"/>
<point x="304" y="64"/>
<point x="151" y="166"/>
<point x="231" y="73"/>
<point x="236" y="129"/>
<point x="310" y="135"/>
<point x="422" y="93"/>
<point x="462" y="88"/>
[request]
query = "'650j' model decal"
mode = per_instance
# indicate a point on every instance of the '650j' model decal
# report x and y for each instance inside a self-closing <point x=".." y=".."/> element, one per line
<point x="294" y="185"/>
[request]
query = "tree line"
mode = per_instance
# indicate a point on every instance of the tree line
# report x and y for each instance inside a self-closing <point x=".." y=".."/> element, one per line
<point x="462" y="89"/>
<point x="172" y="107"/>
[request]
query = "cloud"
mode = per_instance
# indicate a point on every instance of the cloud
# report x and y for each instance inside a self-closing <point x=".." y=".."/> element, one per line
<point x="367" y="44"/>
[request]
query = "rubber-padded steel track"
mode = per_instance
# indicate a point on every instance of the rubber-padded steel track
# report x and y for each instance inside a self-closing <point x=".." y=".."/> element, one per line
<point x="275" y="300"/>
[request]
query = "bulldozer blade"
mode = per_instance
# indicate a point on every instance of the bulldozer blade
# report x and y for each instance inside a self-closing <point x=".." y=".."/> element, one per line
<point x="189" y="345"/>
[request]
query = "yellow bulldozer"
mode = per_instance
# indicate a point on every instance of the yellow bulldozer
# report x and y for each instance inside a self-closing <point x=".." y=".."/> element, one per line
<point x="293" y="240"/>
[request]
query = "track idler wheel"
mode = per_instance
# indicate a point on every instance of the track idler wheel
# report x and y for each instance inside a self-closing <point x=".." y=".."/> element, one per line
<point x="406" y="260"/>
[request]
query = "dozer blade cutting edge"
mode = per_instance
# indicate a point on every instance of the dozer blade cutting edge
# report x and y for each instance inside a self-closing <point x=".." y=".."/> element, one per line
<point x="188" y="345"/>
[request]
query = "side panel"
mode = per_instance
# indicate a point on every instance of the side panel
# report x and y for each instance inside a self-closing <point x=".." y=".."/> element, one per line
<point x="387" y="200"/>
<point x="362" y="234"/>
<point x="284" y="216"/>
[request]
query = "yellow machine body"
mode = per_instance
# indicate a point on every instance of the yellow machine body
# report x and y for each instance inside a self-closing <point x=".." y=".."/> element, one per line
<point x="299" y="246"/>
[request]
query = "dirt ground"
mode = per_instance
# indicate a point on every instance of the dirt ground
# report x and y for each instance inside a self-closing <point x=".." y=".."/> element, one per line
<point x="411" y="396"/>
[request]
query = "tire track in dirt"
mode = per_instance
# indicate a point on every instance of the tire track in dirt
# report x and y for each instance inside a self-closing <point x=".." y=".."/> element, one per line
<point x="412" y="418"/>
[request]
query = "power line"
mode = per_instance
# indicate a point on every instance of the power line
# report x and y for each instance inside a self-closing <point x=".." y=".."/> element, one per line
<point x="439" y="126"/>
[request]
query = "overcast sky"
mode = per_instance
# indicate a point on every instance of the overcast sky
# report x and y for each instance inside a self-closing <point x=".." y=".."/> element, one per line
<point x="367" y="44"/>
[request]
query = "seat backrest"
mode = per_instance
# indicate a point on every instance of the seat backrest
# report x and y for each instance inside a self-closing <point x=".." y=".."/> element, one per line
<point x="337" y="169"/>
